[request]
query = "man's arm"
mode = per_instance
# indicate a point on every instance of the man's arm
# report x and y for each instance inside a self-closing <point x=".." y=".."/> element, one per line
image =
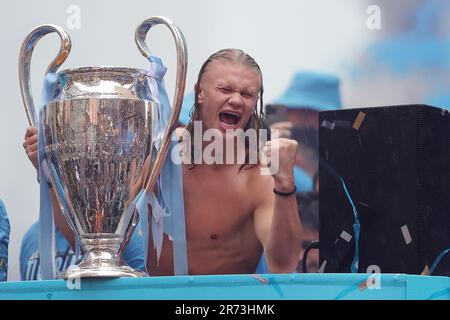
<point x="277" y="221"/>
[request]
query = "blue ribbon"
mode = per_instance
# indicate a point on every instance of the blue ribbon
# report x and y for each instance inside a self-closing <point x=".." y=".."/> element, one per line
<point x="170" y="182"/>
<point x="356" y="225"/>
<point x="168" y="206"/>
<point x="46" y="222"/>
<point x="171" y="188"/>
<point x="356" y="229"/>
<point x="140" y="205"/>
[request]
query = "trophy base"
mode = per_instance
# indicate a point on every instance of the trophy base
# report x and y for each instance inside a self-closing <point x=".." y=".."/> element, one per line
<point x="77" y="272"/>
<point x="102" y="259"/>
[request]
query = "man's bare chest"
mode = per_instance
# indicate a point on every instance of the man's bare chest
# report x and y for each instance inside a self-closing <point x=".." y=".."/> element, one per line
<point x="217" y="208"/>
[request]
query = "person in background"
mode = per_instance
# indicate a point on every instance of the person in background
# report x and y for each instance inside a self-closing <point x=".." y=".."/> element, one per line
<point x="4" y="240"/>
<point x="308" y="93"/>
<point x="308" y="207"/>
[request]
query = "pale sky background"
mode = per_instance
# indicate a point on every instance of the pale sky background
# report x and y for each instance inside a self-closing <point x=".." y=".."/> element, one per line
<point x="283" y="36"/>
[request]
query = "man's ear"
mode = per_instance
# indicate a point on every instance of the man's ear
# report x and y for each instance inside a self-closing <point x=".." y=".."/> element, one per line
<point x="198" y="93"/>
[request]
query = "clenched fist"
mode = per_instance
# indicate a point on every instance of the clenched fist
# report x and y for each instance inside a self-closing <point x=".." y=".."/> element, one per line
<point x="280" y="153"/>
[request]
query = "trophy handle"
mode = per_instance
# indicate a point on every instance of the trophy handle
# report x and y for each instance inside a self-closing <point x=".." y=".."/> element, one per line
<point x="26" y="51"/>
<point x="180" y="43"/>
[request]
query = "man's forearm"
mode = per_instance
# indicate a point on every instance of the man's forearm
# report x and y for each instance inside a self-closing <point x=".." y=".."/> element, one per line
<point x="285" y="235"/>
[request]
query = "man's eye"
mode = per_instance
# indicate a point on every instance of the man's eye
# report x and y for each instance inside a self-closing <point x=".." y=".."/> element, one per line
<point x="225" y="90"/>
<point x="248" y="95"/>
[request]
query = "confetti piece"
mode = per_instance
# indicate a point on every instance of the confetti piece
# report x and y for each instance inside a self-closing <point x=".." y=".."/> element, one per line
<point x="346" y="236"/>
<point x="372" y="282"/>
<point x="406" y="234"/>
<point x="322" y="267"/>
<point x="260" y="279"/>
<point x="425" y="272"/>
<point x="362" y="286"/>
<point x="327" y="124"/>
<point x="359" y="120"/>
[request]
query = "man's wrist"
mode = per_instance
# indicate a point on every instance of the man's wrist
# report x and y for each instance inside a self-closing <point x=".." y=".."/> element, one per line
<point x="284" y="184"/>
<point x="285" y="194"/>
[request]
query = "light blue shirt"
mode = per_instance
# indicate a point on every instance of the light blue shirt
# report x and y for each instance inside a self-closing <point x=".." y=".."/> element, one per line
<point x="4" y="240"/>
<point x="302" y="180"/>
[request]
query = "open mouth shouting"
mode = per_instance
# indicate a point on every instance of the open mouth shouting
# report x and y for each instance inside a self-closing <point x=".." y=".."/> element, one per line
<point x="229" y="120"/>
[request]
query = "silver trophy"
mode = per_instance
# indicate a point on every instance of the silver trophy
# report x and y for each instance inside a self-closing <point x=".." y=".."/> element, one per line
<point x="99" y="148"/>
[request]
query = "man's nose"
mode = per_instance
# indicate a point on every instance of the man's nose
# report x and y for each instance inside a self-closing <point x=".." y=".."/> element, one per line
<point x="235" y="99"/>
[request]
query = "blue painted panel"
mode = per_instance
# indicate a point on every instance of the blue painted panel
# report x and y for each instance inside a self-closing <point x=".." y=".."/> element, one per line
<point x="236" y="287"/>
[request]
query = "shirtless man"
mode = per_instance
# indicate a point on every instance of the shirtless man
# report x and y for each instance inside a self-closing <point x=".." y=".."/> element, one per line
<point x="232" y="214"/>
